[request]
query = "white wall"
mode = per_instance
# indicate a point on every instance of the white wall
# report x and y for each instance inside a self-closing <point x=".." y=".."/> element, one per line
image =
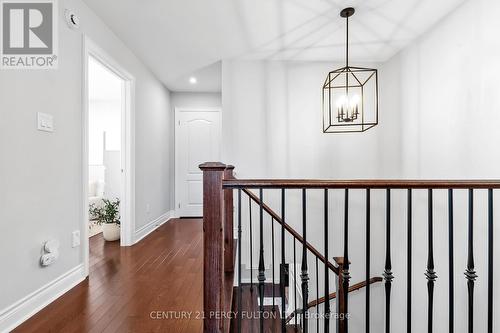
<point x="105" y="110"/>
<point x="272" y="125"/>
<point x="449" y="82"/>
<point x="105" y="146"/>
<point x="41" y="195"/>
<point x="195" y="99"/>
<point x="104" y="117"/>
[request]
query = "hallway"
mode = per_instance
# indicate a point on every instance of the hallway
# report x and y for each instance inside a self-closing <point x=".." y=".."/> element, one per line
<point x="133" y="289"/>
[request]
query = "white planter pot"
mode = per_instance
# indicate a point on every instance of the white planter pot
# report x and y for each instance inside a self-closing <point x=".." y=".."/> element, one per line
<point x="111" y="231"/>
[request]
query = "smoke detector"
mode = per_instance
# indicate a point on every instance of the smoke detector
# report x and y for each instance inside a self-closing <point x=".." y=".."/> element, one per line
<point x="72" y="19"/>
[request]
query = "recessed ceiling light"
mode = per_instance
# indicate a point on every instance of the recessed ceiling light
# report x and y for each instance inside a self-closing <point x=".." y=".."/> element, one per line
<point x="193" y="80"/>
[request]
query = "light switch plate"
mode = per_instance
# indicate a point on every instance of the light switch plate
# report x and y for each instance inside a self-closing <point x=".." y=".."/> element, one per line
<point x="45" y="122"/>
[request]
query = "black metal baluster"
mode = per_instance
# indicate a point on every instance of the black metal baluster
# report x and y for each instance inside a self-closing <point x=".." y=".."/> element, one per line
<point x="261" y="276"/>
<point x="470" y="273"/>
<point x="388" y="264"/>
<point x="283" y="267"/>
<point x="451" y="282"/>
<point x="295" y="278"/>
<point x="317" y="296"/>
<point x="490" y="261"/>
<point x="239" y="261"/>
<point x="408" y="286"/>
<point x="367" y="270"/>
<point x="345" y="272"/>
<point x="327" y="276"/>
<point x="272" y="256"/>
<point x="304" y="274"/>
<point x="430" y="273"/>
<point x="251" y="243"/>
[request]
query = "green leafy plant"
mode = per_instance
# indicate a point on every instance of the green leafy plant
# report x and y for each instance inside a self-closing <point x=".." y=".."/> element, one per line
<point x="108" y="213"/>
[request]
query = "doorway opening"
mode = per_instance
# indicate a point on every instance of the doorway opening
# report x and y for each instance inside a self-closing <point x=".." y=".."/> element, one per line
<point x="107" y="151"/>
<point x="105" y="104"/>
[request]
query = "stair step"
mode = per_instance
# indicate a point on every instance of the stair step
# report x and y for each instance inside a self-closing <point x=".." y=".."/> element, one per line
<point x="250" y="306"/>
<point x="293" y="329"/>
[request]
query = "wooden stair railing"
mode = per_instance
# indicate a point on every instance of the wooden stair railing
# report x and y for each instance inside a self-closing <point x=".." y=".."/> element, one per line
<point x="352" y="288"/>
<point x="218" y="245"/>
<point x="219" y="251"/>
<point x="292" y="231"/>
<point x="333" y="295"/>
<point x="336" y="269"/>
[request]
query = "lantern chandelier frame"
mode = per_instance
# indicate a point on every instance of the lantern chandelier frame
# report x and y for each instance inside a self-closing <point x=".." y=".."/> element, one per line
<point x="350" y="94"/>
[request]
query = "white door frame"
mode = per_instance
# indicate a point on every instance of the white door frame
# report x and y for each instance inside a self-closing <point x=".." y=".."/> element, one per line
<point x="127" y="147"/>
<point x="178" y="110"/>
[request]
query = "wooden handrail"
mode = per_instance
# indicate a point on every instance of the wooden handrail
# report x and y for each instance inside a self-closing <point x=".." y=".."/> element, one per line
<point x="333" y="295"/>
<point x="352" y="288"/>
<point x="294" y="233"/>
<point x="361" y="184"/>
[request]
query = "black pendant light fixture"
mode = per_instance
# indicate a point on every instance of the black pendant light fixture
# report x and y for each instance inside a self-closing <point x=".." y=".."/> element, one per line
<point x="350" y="94"/>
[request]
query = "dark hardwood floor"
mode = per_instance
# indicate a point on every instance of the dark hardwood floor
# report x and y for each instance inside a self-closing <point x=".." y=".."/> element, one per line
<point x="159" y="277"/>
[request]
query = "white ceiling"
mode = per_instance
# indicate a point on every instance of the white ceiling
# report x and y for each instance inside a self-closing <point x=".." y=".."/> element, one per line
<point x="209" y="79"/>
<point x="176" y="38"/>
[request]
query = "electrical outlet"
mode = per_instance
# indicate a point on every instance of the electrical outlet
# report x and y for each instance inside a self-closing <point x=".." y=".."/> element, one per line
<point x="148" y="209"/>
<point x="51" y="252"/>
<point x="76" y="238"/>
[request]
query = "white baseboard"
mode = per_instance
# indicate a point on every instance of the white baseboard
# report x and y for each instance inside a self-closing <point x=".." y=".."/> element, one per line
<point x="152" y="226"/>
<point x="17" y="313"/>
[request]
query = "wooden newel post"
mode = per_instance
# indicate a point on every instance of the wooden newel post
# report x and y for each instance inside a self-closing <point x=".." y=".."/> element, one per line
<point x="342" y="306"/>
<point x="228" y="224"/>
<point x="213" y="247"/>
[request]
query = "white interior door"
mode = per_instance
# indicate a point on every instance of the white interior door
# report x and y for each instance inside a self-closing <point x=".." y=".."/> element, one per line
<point x="197" y="140"/>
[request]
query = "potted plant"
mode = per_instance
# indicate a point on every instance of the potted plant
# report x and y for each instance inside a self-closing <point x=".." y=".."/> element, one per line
<point x="108" y="215"/>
